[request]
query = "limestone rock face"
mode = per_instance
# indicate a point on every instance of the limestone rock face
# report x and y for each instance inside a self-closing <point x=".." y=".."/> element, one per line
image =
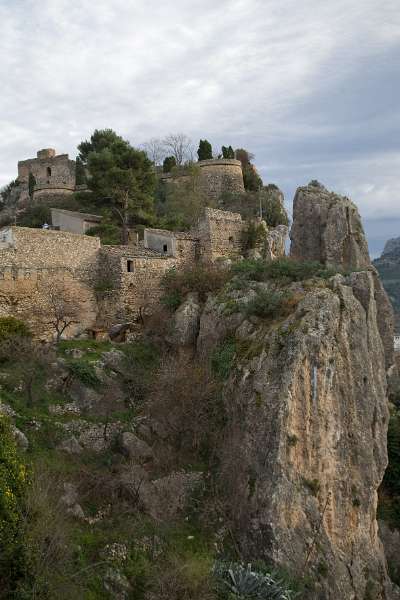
<point x="327" y="228"/>
<point x="304" y="451"/>
<point x="186" y="322"/>
<point x="275" y="242"/>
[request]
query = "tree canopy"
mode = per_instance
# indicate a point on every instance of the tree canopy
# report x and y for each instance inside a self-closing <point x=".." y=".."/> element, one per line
<point x="120" y="175"/>
<point x="204" y="151"/>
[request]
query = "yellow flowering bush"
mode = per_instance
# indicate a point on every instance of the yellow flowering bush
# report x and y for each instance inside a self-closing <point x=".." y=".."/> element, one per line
<point x="13" y="484"/>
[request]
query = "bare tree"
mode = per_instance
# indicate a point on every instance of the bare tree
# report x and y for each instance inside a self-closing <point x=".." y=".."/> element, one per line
<point x="60" y="308"/>
<point x="155" y="150"/>
<point x="180" y="146"/>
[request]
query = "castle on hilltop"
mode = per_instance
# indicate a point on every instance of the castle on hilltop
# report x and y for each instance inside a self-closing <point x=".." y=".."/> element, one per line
<point x="111" y="284"/>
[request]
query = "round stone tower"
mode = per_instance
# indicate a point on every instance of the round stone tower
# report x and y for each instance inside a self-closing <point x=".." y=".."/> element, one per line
<point x="214" y="177"/>
<point x="220" y="175"/>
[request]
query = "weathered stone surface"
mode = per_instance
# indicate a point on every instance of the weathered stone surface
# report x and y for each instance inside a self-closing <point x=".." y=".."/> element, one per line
<point x="327" y="228"/>
<point x="186" y="322"/>
<point x="135" y="448"/>
<point x="304" y="451"/>
<point x="164" y="498"/>
<point x="391" y="543"/>
<point x="20" y="438"/>
<point x="275" y="241"/>
<point x="70" y="445"/>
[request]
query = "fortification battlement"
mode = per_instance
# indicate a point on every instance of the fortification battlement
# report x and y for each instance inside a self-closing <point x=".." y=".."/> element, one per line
<point x="46" y="153"/>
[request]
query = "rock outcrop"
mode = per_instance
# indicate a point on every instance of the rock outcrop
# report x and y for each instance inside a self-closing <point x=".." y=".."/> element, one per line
<point x="305" y="449"/>
<point x="327" y="228"/>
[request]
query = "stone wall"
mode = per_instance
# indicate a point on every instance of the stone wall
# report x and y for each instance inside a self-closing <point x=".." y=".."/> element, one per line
<point x="131" y="280"/>
<point x="180" y="245"/>
<point x="220" y="234"/>
<point x="34" y="263"/>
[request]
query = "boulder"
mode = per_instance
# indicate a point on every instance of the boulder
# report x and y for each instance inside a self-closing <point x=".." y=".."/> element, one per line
<point x="135" y="448"/>
<point x="327" y="228"/>
<point x="114" y="360"/>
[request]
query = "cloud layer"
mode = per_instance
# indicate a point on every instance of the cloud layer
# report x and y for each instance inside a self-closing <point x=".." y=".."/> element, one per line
<point x="310" y="87"/>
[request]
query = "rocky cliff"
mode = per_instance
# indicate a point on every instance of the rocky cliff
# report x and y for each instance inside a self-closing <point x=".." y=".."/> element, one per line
<point x="327" y="228"/>
<point x="304" y="450"/>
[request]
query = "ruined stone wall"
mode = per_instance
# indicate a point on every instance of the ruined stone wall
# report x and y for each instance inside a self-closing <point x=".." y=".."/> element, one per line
<point x="221" y="234"/>
<point x="180" y="245"/>
<point x="35" y="262"/>
<point x="133" y="278"/>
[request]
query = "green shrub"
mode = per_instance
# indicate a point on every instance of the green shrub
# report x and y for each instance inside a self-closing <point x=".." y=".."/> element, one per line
<point x="34" y="216"/>
<point x="283" y="269"/>
<point x="172" y="300"/>
<point x="10" y="327"/>
<point x="84" y="371"/>
<point x="253" y="235"/>
<point x="246" y="583"/>
<point x="223" y="358"/>
<point x="13" y="487"/>
<point x="267" y="304"/>
<point x="200" y="279"/>
<point x="109" y="233"/>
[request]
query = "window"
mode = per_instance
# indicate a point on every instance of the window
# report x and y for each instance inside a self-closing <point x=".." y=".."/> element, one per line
<point x="48" y="172"/>
<point x="231" y="240"/>
<point x="165" y="248"/>
<point x="129" y="266"/>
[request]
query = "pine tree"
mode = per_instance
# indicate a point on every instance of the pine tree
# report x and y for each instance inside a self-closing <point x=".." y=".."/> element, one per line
<point x="205" y="150"/>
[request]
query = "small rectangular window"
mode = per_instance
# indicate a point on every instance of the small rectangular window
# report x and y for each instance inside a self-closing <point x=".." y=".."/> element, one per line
<point x="165" y="248"/>
<point x="129" y="266"/>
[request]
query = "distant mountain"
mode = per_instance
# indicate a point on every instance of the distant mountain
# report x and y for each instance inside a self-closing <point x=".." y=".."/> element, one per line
<point x="388" y="266"/>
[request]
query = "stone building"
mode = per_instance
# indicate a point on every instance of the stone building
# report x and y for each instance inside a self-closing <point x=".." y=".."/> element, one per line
<point x="54" y="175"/>
<point x="72" y="221"/>
<point x="109" y="284"/>
<point x="215" y="177"/>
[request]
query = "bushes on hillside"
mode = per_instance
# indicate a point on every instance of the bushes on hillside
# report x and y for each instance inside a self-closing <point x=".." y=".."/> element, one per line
<point x="13" y="486"/>
<point x="267" y="304"/>
<point x="10" y="327"/>
<point x="284" y="269"/>
<point x="201" y="279"/>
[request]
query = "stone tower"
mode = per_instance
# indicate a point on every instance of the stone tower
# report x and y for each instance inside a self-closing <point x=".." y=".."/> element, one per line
<point x="54" y="175"/>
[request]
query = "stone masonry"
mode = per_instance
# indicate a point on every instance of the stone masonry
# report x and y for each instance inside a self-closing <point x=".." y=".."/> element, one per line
<point x="108" y="284"/>
<point x="54" y="175"/>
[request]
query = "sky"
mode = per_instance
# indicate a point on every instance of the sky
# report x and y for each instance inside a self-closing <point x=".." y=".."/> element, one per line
<point x="311" y="88"/>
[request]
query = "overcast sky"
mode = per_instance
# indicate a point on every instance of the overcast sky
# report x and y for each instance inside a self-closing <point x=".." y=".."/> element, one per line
<point x="310" y="86"/>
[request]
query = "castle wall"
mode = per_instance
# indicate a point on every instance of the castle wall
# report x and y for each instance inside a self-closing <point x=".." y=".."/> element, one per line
<point x="220" y="234"/>
<point x="34" y="263"/>
<point x="180" y="245"/>
<point x="133" y="276"/>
